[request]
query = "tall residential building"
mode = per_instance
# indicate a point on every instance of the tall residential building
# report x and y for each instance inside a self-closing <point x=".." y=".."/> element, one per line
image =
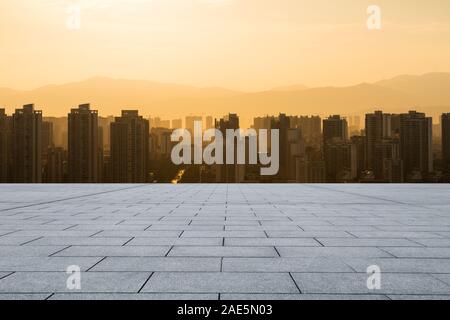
<point x="5" y="138"/>
<point x="378" y="128"/>
<point x="177" y="123"/>
<point x="209" y="123"/>
<point x="129" y="148"/>
<point x="445" y="124"/>
<point x="229" y="173"/>
<point x="157" y="122"/>
<point x="100" y="153"/>
<point x="416" y="142"/>
<point x="310" y="171"/>
<point x="340" y="161"/>
<point x="190" y="122"/>
<point x="47" y="137"/>
<point x="26" y="145"/>
<point x="338" y="152"/>
<point x="161" y="144"/>
<point x="388" y="165"/>
<point x="83" y="146"/>
<point x="360" y="146"/>
<point x="311" y="128"/>
<point x="335" y="127"/>
<point x="296" y="150"/>
<point x="263" y="122"/>
<point x="104" y="124"/>
<point x="283" y="124"/>
<point x="55" y="165"/>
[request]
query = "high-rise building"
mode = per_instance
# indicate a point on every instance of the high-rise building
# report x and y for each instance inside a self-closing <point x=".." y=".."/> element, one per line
<point x="47" y="137"/>
<point x="340" y="161"/>
<point x="335" y="127"/>
<point x="160" y="144"/>
<point x="311" y="128"/>
<point x="360" y="146"/>
<point x="296" y="150"/>
<point x="229" y="173"/>
<point x="283" y="124"/>
<point x="83" y="146"/>
<point x="339" y="154"/>
<point x="129" y="148"/>
<point x="378" y="128"/>
<point x="100" y="153"/>
<point x="209" y="123"/>
<point x="388" y="167"/>
<point x="55" y="165"/>
<point x="416" y="143"/>
<point x="26" y="145"/>
<point x="177" y="123"/>
<point x="190" y="122"/>
<point x="5" y="150"/>
<point x="263" y="122"/>
<point x="157" y="122"/>
<point x="310" y="170"/>
<point x="445" y="125"/>
<point x="104" y="124"/>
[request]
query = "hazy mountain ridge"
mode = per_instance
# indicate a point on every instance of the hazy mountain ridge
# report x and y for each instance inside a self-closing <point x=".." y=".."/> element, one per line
<point x="429" y="93"/>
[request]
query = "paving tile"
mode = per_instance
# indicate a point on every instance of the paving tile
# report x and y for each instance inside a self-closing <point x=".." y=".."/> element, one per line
<point x="38" y="282"/>
<point x="359" y="242"/>
<point x="31" y="264"/>
<point x="21" y="296"/>
<point x="397" y="235"/>
<point x="434" y="242"/>
<point x="308" y="234"/>
<point x="220" y="282"/>
<point x="443" y="277"/>
<point x="114" y="251"/>
<point x="4" y="274"/>
<point x="15" y="241"/>
<point x="284" y="265"/>
<point x="223" y="252"/>
<point x="356" y="283"/>
<point x="271" y="242"/>
<point x="127" y="296"/>
<point x="162" y="264"/>
<point x="53" y="233"/>
<point x="395" y="265"/>
<point x="176" y="242"/>
<point x="143" y="234"/>
<point x="327" y="252"/>
<point x="419" y="252"/>
<point x="80" y="241"/>
<point x="28" y="251"/>
<point x="223" y="234"/>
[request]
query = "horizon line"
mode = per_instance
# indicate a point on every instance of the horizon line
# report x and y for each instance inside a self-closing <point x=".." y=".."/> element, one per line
<point x="273" y="88"/>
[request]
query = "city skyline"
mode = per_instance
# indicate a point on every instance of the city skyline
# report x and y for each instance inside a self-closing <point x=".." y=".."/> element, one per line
<point x="86" y="148"/>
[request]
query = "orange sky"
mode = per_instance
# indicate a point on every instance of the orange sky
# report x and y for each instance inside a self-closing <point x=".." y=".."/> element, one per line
<point x="238" y="44"/>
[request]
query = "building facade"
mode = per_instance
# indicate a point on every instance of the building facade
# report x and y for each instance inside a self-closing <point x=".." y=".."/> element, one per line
<point x="130" y="148"/>
<point x="83" y="148"/>
<point x="27" y="145"/>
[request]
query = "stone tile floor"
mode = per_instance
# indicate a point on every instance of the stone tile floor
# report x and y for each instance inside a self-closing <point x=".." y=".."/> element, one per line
<point x="224" y="241"/>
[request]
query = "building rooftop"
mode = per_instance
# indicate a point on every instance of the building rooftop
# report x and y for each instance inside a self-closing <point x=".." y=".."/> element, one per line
<point x="224" y="241"/>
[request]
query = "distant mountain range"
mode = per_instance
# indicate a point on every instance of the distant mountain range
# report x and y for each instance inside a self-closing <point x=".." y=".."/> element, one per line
<point x="428" y="93"/>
